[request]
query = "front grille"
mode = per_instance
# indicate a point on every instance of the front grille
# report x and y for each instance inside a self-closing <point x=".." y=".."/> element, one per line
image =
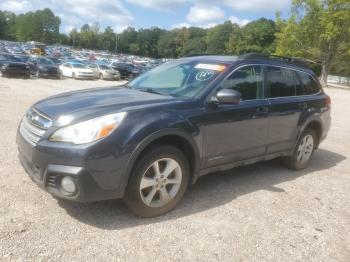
<point x="17" y="66"/>
<point x="52" y="71"/>
<point x="34" y="126"/>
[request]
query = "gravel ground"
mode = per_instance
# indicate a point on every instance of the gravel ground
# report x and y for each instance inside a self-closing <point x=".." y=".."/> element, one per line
<point x="262" y="212"/>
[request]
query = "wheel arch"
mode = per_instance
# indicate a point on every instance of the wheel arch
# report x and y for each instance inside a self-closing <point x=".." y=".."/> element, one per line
<point x="316" y="125"/>
<point x="175" y="137"/>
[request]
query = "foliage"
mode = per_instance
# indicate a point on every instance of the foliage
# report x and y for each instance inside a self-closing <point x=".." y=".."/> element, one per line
<point x="317" y="29"/>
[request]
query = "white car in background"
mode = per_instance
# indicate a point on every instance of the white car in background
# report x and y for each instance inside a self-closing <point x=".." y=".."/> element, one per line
<point x="76" y="71"/>
<point x="103" y="71"/>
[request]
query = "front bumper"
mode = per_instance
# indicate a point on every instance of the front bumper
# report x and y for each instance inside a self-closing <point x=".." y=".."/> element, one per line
<point x="49" y="74"/>
<point x="94" y="179"/>
<point x="16" y="72"/>
<point x="111" y="77"/>
<point x="85" y="76"/>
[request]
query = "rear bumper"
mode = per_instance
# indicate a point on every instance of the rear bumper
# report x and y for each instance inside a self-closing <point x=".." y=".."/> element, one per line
<point x="47" y="166"/>
<point x="326" y="125"/>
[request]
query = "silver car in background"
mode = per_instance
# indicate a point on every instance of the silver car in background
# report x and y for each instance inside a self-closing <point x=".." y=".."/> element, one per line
<point x="105" y="72"/>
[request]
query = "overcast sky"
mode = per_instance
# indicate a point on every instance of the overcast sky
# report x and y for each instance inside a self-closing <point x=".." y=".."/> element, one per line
<point x="146" y="13"/>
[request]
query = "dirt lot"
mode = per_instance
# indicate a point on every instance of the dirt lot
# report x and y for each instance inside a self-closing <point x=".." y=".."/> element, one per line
<point x="258" y="213"/>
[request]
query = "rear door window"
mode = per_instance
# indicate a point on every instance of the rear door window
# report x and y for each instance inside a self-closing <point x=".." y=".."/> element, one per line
<point x="310" y="86"/>
<point x="282" y="82"/>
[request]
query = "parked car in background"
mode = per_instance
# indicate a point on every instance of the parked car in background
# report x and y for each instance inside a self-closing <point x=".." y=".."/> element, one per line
<point x="12" y="66"/>
<point x="44" y="67"/>
<point x="126" y="70"/>
<point x="57" y="61"/>
<point x="76" y="71"/>
<point x="103" y="71"/>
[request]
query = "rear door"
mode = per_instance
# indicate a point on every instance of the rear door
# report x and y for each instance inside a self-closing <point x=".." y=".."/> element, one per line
<point x="286" y="107"/>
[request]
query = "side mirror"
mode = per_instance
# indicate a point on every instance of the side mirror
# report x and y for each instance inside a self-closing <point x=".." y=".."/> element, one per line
<point x="228" y="96"/>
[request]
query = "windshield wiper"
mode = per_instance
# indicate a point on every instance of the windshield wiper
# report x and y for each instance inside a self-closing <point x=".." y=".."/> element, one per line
<point x="151" y="90"/>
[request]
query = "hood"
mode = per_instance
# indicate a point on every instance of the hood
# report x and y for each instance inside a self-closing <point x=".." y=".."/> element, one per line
<point x="89" y="103"/>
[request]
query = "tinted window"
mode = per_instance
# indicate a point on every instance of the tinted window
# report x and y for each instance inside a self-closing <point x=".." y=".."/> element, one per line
<point x="78" y="66"/>
<point x="248" y="81"/>
<point x="104" y="67"/>
<point x="309" y="84"/>
<point x="283" y="82"/>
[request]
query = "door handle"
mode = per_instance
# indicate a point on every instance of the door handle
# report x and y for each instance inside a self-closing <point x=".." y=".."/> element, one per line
<point x="262" y="110"/>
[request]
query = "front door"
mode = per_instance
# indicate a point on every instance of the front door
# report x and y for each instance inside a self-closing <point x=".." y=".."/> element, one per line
<point x="238" y="132"/>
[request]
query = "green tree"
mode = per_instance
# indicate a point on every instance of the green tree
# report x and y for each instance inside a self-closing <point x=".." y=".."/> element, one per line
<point x="128" y="36"/>
<point x="257" y="36"/>
<point x="166" y="45"/>
<point x="7" y="20"/>
<point x="107" y="39"/>
<point x="317" y="29"/>
<point x="74" y="38"/>
<point x="218" y="37"/>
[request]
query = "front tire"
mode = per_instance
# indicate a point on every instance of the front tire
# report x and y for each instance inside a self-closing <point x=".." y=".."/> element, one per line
<point x="158" y="182"/>
<point x="36" y="74"/>
<point x="303" y="152"/>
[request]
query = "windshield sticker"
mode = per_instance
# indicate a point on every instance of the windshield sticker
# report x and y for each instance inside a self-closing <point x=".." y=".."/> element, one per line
<point x="205" y="75"/>
<point x="211" y="67"/>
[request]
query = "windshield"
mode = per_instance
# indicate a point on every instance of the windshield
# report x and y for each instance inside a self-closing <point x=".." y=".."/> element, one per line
<point x="178" y="78"/>
<point x="45" y="61"/>
<point x="104" y="67"/>
<point x="78" y="66"/>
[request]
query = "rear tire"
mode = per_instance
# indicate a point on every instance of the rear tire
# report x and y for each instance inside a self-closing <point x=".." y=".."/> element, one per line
<point x="158" y="182"/>
<point x="303" y="152"/>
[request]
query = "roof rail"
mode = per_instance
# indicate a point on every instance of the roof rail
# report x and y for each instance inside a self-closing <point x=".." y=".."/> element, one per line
<point x="291" y="60"/>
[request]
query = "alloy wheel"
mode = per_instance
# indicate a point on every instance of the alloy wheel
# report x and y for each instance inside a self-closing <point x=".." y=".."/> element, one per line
<point x="305" y="148"/>
<point x="161" y="182"/>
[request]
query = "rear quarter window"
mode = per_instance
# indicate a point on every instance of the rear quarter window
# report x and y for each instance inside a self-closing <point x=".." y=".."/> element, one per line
<point x="309" y="84"/>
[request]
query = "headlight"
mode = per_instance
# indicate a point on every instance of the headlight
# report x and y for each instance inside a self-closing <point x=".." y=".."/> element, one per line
<point x="89" y="131"/>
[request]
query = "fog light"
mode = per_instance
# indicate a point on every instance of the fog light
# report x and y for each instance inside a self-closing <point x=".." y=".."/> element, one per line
<point x="68" y="185"/>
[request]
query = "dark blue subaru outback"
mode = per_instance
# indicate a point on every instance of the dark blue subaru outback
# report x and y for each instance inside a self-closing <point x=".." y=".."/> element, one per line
<point x="147" y="141"/>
